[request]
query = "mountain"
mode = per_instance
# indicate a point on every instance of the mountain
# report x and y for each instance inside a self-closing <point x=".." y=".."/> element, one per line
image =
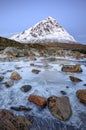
<point x="47" y="30"/>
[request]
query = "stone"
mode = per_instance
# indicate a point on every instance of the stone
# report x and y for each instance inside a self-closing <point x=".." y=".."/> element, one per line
<point x="15" y="76"/>
<point x="32" y="58"/>
<point x="32" y="64"/>
<point x="18" y="67"/>
<point x="35" y="53"/>
<point x="63" y="92"/>
<point x="72" y="68"/>
<point x="52" y="59"/>
<point x="9" y="121"/>
<point x="35" y="71"/>
<point x="81" y="94"/>
<point x="9" y="83"/>
<point x="75" y="79"/>
<point x="60" y="107"/>
<point x="26" y="88"/>
<point x="11" y="51"/>
<point x="1" y="78"/>
<point x="21" y="108"/>
<point x="38" y="100"/>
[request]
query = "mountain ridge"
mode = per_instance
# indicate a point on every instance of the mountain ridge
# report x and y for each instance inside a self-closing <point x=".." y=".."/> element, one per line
<point x="47" y="30"/>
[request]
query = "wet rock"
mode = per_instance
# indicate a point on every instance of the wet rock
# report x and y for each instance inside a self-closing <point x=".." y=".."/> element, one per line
<point x="72" y="68"/>
<point x="75" y="79"/>
<point x="81" y="94"/>
<point x="1" y="78"/>
<point x="35" y="71"/>
<point x="9" y="83"/>
<point x="60" y="107"/>
<point x="38" y="100"/>
<point x="9" y="121"/>
<point x="63" y="92"/>
<point x="15" y="76"/>
<point x="21" y="108"/>
<point x="26" y="88"/>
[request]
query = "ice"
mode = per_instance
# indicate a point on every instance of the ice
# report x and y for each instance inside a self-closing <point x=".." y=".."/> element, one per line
<point x="50" y="81"/>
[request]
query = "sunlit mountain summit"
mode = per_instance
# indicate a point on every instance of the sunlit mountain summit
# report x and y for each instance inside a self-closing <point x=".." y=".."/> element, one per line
<point x="48" y="30"/>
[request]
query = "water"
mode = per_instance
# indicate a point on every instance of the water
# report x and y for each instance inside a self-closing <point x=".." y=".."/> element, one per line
<point x="50" y="81"/>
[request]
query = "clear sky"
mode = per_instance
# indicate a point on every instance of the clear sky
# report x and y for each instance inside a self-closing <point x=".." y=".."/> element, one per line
<point x="18" y="15"/>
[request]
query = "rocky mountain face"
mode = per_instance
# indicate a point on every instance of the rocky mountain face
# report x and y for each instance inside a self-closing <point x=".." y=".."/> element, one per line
<point x="47" y="30"/>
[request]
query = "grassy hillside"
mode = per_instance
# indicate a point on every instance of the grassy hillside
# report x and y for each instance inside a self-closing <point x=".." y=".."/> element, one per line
<point x="4" y="42"/>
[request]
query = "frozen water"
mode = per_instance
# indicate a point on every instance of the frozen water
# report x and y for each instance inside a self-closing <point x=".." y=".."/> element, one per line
<point x="50" y="81"/>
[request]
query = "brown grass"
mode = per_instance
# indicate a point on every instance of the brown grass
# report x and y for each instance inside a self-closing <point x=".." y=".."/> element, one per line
<point x="4" y="42"/>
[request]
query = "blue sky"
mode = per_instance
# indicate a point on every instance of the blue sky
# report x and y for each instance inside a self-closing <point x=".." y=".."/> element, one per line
<point x="18" y="15"/>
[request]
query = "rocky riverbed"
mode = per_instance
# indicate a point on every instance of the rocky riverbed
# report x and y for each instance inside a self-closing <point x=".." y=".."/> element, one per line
<point x="49" y="89"/>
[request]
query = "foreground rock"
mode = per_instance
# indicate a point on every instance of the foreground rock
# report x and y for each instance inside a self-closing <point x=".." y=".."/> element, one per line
<point x="35" y="71"/>
<point x="8" y="121"/>
<point x="21" y="108"/>
<point x="72" y="68"/>
<point x="9" y="83"/>
<point x="33" y="58"/>
<point x="38" y="100"/>
<point x="81" y="94"/>
<point x="60" y="107"/>
<point x="26" y="88"/>
<point x="75" y="79"/>
<point x="15" y="76"/>
<point x="11" y="51"/>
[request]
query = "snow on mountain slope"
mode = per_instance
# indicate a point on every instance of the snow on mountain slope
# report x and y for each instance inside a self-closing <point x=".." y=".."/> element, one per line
<point x="47" y="30"/>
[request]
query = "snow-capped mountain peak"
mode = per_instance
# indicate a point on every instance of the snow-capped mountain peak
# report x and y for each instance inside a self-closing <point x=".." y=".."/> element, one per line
<point x="47" y="30"/>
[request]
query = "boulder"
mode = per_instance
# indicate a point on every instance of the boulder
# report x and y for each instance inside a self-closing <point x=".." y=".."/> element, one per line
<point x="60" y="107"/>
<point x="35" y="71"/>
<point x="9" y="121"/>
<point x="11" y="51"/>
<point x="75" y="79"/>
<point x="15" y="76"/>
<point x="9" y="83"/>
<point x="26" y="88"/>
<point x="38" y="100"/>
<point x="81" y="94"/>
<point x="72" y="68"/>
